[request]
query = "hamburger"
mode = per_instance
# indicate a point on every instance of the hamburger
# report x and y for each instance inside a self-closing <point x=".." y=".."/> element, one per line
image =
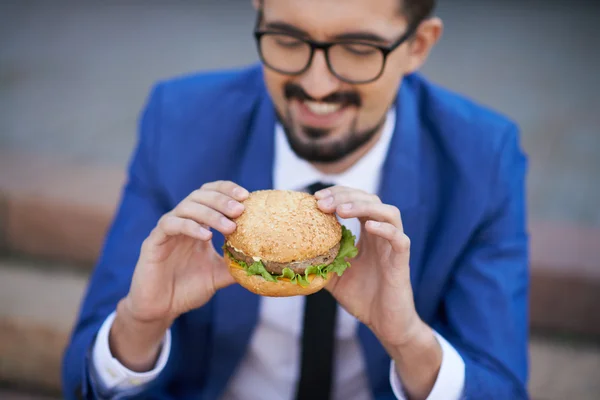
<point x="284" y="245"/>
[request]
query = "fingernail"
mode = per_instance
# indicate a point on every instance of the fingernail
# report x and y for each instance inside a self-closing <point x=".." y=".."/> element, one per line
<point x="346" y="206"/>
<point x="326" y="202"/>
<point x="323" y="193"/>
<point x="374" y="224"/>
<point x="240" y="193"/>
<point x="227" y="223"/>
<point x="232" y="204"/>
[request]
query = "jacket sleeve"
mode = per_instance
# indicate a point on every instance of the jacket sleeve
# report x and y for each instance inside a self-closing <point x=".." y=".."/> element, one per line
<point x="141" y="205"/>
<point x="485" y="310"/>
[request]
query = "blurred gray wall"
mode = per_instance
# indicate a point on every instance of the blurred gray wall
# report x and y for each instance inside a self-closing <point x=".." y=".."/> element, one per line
<point x="74" y="75"/>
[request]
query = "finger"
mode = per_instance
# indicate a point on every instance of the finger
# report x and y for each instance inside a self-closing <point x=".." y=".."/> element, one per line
<point x="373" y="211"/>
<point x="332" y="190"/>
<point x="398" y="239"/>
<point x="171" y="225"/>
<point x="227" y="187"/>
<point x="205" y="216"/>
<point x="330" y="203"/>
<point x="218" y="201"/>
<point x="222" y="277"/>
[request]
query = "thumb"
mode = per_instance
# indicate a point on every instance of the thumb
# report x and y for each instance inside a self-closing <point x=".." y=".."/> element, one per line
<point x="222" y="277"/>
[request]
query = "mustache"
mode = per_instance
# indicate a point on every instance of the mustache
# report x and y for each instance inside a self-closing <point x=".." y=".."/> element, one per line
<point x="294" y="91"/>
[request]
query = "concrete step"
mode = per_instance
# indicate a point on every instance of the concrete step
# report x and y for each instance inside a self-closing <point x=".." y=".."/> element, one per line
<point x="11" y="394"/>
<point x="565" y="279"/>
<point x="38" y="306"/>
<point x="564" y="369"/>
<point x="57" y="210"/>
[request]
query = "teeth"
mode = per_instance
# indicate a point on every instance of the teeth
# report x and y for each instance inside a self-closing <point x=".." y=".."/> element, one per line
<point x="322" y="108"/>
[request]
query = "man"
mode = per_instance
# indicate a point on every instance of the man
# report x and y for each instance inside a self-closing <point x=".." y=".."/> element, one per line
<point x="434" y="306"/>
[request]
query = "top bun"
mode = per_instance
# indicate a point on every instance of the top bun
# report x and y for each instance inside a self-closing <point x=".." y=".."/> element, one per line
<point x="284" y="226"/>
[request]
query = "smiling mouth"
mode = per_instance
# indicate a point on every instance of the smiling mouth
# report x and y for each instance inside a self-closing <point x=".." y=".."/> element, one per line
<point x="320" y="108"/>
<point x="320" y="114"/>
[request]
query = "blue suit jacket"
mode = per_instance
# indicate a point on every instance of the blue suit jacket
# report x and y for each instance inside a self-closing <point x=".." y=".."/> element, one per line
<point x="454" y="169"/>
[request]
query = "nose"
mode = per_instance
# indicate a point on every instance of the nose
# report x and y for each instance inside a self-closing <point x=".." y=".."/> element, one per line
<point x="318" y="81"/>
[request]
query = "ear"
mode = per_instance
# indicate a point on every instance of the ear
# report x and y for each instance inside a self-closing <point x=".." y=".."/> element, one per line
<point x="256" y="4"/>
<point x="426" y="36"/>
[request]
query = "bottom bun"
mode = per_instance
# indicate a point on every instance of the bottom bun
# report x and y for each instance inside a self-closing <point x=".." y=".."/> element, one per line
<point x="282" y="288"/>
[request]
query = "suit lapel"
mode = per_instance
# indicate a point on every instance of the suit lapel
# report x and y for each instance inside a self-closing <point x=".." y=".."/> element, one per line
<point x="256" y="166"/>
<point x="236" y="309"/>
<point x="400" y="184"/>
<point x="399" y="187"/>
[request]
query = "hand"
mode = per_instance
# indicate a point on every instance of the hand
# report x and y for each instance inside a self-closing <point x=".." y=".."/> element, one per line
<point x="376" y="289"/>
<point x="178" y="270"/>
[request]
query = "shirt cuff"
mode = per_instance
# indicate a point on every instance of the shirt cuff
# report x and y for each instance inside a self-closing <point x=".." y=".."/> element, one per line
<point x="112" y="375"/>
<point x="450" y="381"/>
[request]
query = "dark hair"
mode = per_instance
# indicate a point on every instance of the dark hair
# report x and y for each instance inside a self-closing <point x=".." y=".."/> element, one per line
<point x="417" y="10"/>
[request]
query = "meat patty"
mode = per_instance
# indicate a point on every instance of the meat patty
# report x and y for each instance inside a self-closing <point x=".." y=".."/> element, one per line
<point x="297" y="266"/>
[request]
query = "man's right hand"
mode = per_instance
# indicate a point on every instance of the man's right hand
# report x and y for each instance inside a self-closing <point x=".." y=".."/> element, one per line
<point x="178" y="270"/>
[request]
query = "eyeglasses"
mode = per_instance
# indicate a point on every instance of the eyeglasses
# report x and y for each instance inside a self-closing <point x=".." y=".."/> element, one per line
<point x="351" y="61"/>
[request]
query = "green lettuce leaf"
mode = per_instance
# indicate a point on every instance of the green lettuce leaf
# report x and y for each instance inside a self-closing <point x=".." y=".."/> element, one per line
<point x="294" y="277"/>
<point x="318" y="270"/>
<point x="338" y="266"/>
<point x="258" y="268"/>
<point x="347" y="250"/>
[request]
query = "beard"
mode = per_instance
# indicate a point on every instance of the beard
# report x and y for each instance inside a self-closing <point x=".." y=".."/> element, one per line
<point x="307" y="142"/>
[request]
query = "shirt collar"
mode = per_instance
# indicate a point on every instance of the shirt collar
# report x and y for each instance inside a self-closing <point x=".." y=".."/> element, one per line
<point x="293" y="173"/>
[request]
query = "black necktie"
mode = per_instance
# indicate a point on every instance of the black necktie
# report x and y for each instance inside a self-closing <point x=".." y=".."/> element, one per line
<point x="316" y="371"/>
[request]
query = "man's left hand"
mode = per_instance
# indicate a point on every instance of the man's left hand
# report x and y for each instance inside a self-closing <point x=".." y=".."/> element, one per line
<point x="376" y="289"/>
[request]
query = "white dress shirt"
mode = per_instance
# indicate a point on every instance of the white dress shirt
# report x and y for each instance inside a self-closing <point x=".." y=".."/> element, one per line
<point x="275" y="371"/>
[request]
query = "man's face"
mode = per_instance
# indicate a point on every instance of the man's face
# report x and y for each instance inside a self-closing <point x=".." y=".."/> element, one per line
<point x="326" y="118"/>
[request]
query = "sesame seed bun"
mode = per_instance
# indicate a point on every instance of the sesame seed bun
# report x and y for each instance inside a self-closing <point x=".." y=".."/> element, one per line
<point x="284" y="226"/>
<point x="282" y="288"/>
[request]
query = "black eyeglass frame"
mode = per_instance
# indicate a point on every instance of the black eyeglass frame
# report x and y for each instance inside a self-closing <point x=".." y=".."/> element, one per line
<point x="325" y="46"/>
